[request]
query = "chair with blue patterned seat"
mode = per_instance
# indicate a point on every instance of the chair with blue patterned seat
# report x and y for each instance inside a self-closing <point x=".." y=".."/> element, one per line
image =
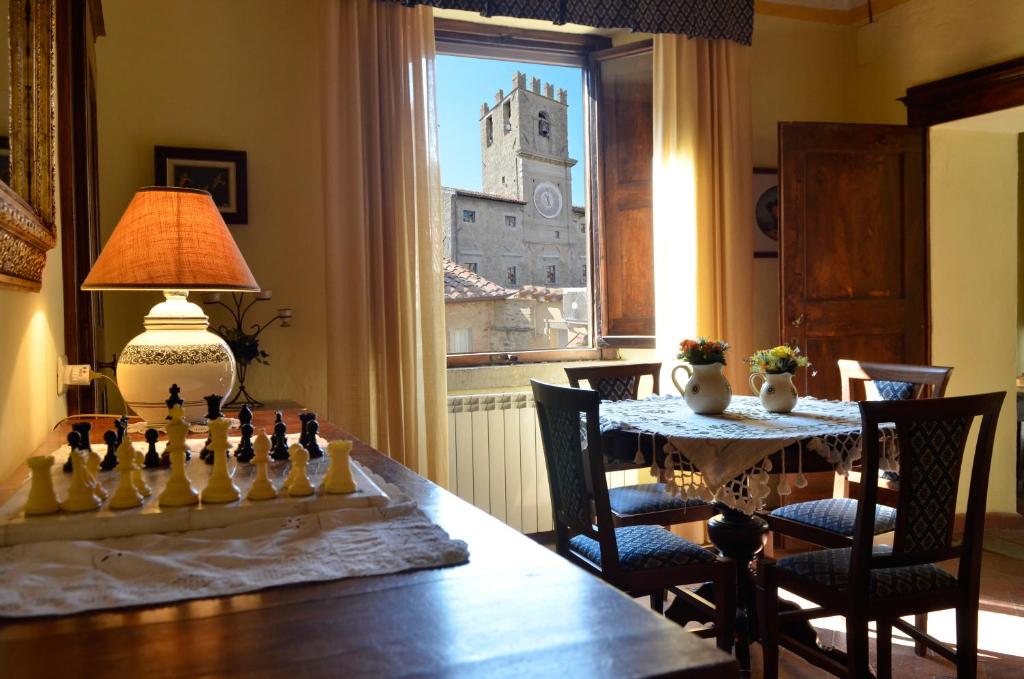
<point x="642" y="560"/>
<point x="862" y="581"/>
<point x="644" y="503"/>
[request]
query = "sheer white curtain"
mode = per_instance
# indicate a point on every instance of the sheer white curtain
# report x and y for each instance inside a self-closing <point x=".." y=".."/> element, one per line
<point x="386" y="380"/>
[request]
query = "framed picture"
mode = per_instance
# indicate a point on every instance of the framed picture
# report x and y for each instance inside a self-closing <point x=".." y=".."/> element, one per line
<point x="222" y="173"/>
<point x="766" y="212"/>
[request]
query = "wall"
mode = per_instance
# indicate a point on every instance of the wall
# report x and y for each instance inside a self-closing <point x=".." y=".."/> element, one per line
<point x="973" y="231"/>
<point x="31" y="339"/>
<point x="226" y="75"/>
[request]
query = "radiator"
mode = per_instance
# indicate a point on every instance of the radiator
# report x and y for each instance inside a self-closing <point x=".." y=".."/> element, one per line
<point x="496" y="461"/>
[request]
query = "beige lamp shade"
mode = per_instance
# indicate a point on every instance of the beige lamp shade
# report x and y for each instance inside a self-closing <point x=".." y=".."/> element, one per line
<point x="170" y="239"/>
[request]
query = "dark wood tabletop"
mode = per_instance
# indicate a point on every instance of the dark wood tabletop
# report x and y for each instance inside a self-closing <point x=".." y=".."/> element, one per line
<point x="516" y="609"/>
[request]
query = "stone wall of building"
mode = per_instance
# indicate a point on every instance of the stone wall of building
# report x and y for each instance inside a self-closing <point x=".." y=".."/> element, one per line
<point x="506" y="324"/>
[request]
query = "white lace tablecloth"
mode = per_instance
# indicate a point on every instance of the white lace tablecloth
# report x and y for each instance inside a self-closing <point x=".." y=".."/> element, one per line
<point x="56" y="578"/>
<point x="724" y="457"/>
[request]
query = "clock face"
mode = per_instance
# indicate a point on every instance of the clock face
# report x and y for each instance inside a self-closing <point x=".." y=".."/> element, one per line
<point x="548" y="200"/>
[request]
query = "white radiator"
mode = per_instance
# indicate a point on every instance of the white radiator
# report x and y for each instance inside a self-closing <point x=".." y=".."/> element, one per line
<point x="495" y="459"/>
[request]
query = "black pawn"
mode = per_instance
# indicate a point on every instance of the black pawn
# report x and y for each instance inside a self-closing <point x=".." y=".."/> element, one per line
<point x="315" y="451"/>
<point x="245" y="452"/>
<point x="110" y="459"/>
<point x="153" y="460"/>
<point x="212" y="413"/>
<point x="280" y="451"/>
<point x="75" y="441"/>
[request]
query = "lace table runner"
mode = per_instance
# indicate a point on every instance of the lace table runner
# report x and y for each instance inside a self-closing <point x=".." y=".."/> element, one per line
<point x="57" y="578"/>
<point x="724" y="457"/>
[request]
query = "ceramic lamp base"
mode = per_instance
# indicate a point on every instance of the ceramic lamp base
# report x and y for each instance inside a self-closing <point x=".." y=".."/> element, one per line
<point x="176" y="348"/>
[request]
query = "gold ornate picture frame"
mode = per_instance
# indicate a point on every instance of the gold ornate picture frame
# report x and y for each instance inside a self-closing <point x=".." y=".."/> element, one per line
<point x="27" y="214"/>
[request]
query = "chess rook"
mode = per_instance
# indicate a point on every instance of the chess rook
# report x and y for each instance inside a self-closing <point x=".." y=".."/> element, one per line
<point x="338" y="480"/>
<point x="221" y="487"/>
<point x="42" y="499"/>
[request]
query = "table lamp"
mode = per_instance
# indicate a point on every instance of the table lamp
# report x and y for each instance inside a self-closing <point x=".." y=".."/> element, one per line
<point x="173" y="240"/>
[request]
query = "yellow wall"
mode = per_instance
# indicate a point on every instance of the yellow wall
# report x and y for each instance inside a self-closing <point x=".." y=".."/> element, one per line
<point x="226" y="75"/>
<point x="973" y="215"/>
<point x="31" y="339"/>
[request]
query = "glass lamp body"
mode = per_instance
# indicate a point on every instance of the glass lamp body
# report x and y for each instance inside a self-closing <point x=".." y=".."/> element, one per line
<point x="176" y="348"/>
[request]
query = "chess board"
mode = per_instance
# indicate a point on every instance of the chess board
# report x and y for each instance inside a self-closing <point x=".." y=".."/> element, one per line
<point x="16" y="528"/>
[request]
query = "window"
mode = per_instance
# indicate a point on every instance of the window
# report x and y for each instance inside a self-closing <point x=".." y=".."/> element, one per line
<point x="460" y="340"/>
<point x="490" y="131"/>
<point x="583" y="273"/>
<point x="510" y="220"/>
<point x="543" y="124"/>
<point x="471" y="266"/>
<point x="506" y="116"/>
<point x="511" y="276"/>
<point x="550" y="275"/>
<point x="469" y="216"/>
<point x="558" y="235"/>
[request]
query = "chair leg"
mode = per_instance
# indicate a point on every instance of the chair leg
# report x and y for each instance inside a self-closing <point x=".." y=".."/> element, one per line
<point x="725" y="607"/>
<point x="967" y="640"/>
<point x="768" y="621"/>
<point x="857" y="653"/>
<point x="658" y="601"/>
<point x="883" y="649"/>
<point x="921" y="623"/>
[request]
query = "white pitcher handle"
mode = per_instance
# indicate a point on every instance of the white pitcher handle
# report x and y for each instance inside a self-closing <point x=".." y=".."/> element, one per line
<point x="756" y="388"/>
<point x="689" y="374"/>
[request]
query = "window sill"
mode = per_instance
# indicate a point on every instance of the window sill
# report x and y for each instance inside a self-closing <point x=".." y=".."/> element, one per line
<point x="512" y="377"/>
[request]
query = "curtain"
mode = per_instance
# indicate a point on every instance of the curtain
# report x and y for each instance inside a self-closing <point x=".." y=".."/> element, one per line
<point x="703" y="212"/>
<point x="382" y="233"/>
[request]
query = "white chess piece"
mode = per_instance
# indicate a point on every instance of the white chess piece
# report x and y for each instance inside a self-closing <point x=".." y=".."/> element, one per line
<point x="42" y="499"/>
<point x="221" y="487"/>
<point x="179" y="491"/>
<point x="81" y="497"/>
<point x="262" y="488"/>
<point x="293" y="449"/>
<point x="138" y="459"/>
<point x="92" y="470"/>
<point x="127" y="495"/>
<point x="300" y="485"/>
<point x="338" y="480"/>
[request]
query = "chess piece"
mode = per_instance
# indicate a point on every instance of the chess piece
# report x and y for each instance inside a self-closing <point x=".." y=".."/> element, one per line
<point x="221" y="487"/>
<point x="212" y="413"/>
<point x="179" y="491"/>
<point x="92" y="468"/>
<point x="41" y="497"/>
<point x="338" y="480"/>
<point x="152" y="458"/>
<point x="74" y="442"/>
<point x="300" y="485"/>
<point x="262" y="488"/>
<point x="312" y="445"/>
<point x="281" y="434"/>
<point x="244" y="452"/>
<point x="83" y="429"/>
<point x="127" y="494"/>
<point x="137" y="479"/>
<point x="110" y="459"/>
<point x="174" y="399"/>
<point x="293" y="470"/>
<point x="121" y="425"/>
<point x="80" y="494"/>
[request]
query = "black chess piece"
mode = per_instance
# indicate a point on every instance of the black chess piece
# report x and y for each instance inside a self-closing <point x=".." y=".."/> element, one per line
<point x="110" y="459"/>
<point x="175" y="398"/>
<point x="75" y="441"/>
<point x="245" y="452"/>
<point x="304" y="419"/>
<point x="121" y="425"/>
<point x="83" y="429"/>
<point x="152" y="460"/>
<point x="280" y="448"/>
<point x="312" y="445"/>
<point x="212" y="413"/>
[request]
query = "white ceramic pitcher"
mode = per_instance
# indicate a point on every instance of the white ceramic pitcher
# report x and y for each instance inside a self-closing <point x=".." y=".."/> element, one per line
<point x="777" y="393"/>
<point x="707" y="392"/>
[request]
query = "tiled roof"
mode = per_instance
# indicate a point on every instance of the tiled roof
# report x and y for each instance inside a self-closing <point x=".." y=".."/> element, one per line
<point x="539" y="293"/>
<point x="461" y="284"/>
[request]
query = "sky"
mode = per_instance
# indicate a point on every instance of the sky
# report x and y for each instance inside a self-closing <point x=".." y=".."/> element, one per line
<point x="464" y="83"/>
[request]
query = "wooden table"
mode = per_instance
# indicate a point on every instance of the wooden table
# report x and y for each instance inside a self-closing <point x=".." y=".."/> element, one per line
<point x="517" y="609"/>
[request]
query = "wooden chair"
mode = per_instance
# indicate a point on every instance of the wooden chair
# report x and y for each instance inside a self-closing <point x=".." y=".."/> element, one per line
<point x="644" y="503"/>
<point x="863" y="582"/>
<point x="829" y="522"/>
<point x="640" y="560"/>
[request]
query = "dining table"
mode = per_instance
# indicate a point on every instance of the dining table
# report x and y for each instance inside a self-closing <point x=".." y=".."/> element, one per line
<point x="727" y="459"/>
<point x="515" y="609"/>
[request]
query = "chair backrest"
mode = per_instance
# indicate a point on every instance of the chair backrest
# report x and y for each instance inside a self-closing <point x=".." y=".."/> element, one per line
<point x="579" y="491"/>
<point x="894" y="381"/>
<point x="932" y="435"/>
<point x="616" y="382"/>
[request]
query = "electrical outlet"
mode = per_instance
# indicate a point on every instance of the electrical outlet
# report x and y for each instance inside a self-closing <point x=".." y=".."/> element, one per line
<point x="71" y="375"/>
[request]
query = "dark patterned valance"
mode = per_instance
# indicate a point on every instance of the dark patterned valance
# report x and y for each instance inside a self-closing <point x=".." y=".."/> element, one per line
<point x="713" y="19"/>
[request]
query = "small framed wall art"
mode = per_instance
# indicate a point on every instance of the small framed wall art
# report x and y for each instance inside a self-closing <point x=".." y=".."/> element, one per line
<point x="766" y="212"/>
<point x="222" y="173"/>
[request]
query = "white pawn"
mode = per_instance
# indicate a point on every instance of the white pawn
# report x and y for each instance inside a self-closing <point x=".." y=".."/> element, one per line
<point x="293" y="449"/>
<point x="300" y="485"/>
<point x="262" y="488"/>
<point x="41" y="497"/>
<point x="127" y="495"/>
<point x="80" y="493"/>
<point x="221" y="487"/>
<point x="338" y="480"/>
<point x="179" y="491"/>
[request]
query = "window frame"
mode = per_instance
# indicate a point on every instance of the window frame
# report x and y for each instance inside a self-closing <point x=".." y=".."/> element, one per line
<point x="491" y="41"/>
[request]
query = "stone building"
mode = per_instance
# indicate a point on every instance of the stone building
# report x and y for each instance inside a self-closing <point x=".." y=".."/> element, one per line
<point x="522" y="229"/>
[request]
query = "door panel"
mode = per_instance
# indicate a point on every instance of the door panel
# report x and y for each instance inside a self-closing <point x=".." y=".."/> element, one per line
<point x="853" y="245"/>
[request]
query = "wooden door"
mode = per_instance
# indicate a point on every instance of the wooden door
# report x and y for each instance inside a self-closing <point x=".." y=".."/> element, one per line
<point x="854" y="259"/>
<point x="622" y="79"/>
